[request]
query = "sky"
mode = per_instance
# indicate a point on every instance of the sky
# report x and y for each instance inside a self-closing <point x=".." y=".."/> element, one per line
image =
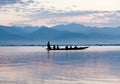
<point x="99" y="13"/>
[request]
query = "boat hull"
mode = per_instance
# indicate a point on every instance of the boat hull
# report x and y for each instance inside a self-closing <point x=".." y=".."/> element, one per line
<point x="81" y="48"/>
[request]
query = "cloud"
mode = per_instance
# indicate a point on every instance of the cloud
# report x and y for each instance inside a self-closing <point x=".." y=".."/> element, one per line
<point x="12" y="2"/>
<point x="6" y="2"/>
<point x="91" y="18"/>
<point x="47" y="12"/>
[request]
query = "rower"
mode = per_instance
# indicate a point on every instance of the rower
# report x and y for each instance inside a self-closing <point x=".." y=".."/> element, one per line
<point x="66" y="47"/>
<point x="57" y="47"/>
<point x="75" y="47"/>
<point x="54" y="47"/>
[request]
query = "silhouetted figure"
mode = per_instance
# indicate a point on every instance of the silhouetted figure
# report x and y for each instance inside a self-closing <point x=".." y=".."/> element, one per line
<point x="57" y="47"/>
<point x="75" y="47"/>
<point x="54" y="47"/>
<point x="66" y="47"/>
<point x="48" y="45"/>
<point x="71" y="47"/>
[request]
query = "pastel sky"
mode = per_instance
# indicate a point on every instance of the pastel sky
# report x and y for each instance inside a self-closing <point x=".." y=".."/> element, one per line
<point x="100" y="13"/>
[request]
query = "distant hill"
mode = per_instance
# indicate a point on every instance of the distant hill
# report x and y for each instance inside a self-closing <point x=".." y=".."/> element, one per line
<point x="60" y="33"/>
<point x="12" y="30"/>
<point x="78" y="28"/>
<point x="27" y="29"/>
<point x="53" y="34"/>
<point x="73" y="28"/>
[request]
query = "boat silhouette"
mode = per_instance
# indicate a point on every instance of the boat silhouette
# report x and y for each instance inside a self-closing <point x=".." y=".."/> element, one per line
<point x="56" y="47"/>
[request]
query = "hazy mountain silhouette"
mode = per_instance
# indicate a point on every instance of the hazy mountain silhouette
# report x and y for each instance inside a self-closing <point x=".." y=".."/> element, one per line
<point x="70" y="32"/>
<point x="27" y="29"/>
<point x="72" y="28"/>
<point x="53" y="34"/>
<point x="78" y="28"/>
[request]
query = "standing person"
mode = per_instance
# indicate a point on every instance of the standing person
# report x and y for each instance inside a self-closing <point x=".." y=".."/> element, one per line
<point x="48" y="45"/>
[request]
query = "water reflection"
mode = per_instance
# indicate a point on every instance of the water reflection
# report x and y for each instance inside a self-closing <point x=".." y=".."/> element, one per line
<point x="35" y="65"/>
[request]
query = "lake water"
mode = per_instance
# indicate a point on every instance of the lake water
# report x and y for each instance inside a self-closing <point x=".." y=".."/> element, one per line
<point x="34" y="65"/>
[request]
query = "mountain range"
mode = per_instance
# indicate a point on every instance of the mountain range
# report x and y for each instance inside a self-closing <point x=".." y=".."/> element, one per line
<point x="70" y="34"/>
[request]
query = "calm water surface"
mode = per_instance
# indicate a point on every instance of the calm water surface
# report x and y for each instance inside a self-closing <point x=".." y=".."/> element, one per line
<point x="34" y="65"/>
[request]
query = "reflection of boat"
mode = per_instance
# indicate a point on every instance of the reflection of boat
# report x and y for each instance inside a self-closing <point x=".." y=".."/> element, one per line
<point x="54" y="47"/>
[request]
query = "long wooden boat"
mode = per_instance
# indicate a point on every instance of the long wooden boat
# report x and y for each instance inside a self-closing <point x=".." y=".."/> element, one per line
<point x="54" y="47"/>
<point x="79" y="48"/>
